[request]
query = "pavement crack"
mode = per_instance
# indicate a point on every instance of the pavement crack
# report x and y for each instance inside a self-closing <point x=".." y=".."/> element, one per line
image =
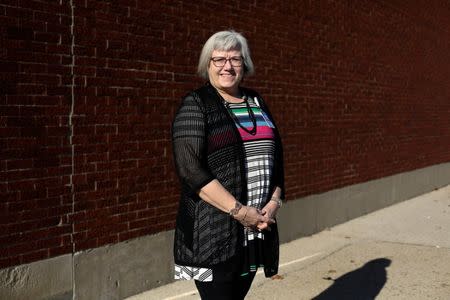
<point x="415" y="244"/>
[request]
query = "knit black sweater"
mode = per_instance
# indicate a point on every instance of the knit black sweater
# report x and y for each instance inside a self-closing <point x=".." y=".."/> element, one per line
<point x="208" y="146"/>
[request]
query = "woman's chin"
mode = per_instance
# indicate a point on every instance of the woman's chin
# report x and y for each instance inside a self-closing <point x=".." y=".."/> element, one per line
<point x="229" y="85"/>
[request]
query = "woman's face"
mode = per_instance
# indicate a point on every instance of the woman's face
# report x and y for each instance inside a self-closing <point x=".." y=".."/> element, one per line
<point x="227" y="77"/>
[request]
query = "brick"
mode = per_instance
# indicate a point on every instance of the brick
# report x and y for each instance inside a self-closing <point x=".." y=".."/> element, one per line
<point x="34" y="256"/>
<point x="19" y="33"/>
<point x="9" y="261"/>
<point x="343" y="92"/>
<point x="60" y="250"/>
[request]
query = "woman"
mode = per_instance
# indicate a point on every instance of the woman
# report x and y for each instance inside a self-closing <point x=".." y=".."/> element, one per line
<point x="228" y="157"/>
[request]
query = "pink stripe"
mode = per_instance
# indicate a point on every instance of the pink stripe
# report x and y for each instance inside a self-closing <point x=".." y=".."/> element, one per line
<point x="263" y="132"/>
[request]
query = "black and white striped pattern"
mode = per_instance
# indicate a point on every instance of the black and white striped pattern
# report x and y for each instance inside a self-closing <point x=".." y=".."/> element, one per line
<point x="188" y="273"/>
<point x="259" y="162"/>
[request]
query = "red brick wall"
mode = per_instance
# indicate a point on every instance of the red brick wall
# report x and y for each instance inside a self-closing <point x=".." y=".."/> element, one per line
<point x="360" y="90"/>
<point x="35" y="150"/>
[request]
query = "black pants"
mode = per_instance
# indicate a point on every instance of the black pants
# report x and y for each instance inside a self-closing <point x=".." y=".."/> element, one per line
<point x="234" y="289"/>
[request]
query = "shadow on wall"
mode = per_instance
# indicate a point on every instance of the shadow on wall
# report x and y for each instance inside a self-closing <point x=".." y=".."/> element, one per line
<point x="364" y="283"/>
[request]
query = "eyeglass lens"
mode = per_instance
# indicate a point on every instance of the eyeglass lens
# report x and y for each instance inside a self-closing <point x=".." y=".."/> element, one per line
<point x="221" y="61"/>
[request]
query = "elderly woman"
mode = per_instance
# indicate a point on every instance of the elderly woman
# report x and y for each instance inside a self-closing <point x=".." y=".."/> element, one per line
<point x="228" y="157"/>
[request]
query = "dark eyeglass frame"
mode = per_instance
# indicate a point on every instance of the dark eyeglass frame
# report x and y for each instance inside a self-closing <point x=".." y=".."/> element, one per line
<point x="220" y="61"/>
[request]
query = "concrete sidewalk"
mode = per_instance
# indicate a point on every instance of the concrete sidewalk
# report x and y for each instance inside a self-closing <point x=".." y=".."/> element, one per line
<point x="400" y="252"/>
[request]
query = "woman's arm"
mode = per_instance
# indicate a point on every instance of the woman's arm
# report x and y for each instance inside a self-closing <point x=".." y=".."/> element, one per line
<point x="189" y="144"/>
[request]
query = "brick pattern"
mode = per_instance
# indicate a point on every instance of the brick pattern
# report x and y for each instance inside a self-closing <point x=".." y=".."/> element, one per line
<point x="35" y="151"/>
<point x="88" y="90"/>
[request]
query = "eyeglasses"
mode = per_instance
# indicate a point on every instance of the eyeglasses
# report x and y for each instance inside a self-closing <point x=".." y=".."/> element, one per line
<point x="219" y="61"/>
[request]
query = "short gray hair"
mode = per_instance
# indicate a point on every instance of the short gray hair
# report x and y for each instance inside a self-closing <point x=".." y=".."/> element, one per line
<point x="225" y="41"/>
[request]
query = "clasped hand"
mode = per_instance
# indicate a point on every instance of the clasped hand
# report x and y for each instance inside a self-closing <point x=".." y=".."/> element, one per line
<point x="257" y="219"/>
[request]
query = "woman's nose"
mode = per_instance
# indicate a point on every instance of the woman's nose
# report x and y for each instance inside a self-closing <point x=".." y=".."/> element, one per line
<point x="227" y="64"/>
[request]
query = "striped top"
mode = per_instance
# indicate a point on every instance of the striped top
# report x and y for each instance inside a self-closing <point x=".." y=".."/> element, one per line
<point x="259" y="158"/>
<point x="259" y="154"/>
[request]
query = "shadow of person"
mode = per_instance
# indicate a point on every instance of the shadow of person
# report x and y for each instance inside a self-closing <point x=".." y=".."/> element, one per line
<point x="364" y="283"/>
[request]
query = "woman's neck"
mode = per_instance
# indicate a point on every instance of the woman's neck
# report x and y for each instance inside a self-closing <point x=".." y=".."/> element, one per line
<point x="232" y="97"/>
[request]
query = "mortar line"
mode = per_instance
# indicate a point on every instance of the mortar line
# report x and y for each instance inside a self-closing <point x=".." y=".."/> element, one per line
<point x="72" y="105"/>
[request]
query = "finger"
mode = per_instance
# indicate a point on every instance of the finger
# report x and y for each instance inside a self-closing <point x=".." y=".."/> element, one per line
<point x="269" y="213"/>
<point x="271" y="221"/>
<point x="264" y="219"/>
<point x="262" y="226"/>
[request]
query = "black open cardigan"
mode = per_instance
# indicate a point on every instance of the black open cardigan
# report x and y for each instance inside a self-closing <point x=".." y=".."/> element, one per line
<point x="208" y="146"/>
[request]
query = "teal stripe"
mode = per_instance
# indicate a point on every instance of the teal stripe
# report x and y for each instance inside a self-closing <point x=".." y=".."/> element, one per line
<point x="244" y="110"/>
<point x="258" y="123"/>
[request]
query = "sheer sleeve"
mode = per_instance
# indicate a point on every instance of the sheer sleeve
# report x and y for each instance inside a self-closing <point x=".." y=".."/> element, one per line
<point x="189" y="145"/>
<point x="279" y="169"/>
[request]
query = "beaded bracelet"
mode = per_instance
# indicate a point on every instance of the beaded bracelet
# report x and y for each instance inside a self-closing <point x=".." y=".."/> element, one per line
<point x="234" y="211"/>
<point x="246" y="211"/>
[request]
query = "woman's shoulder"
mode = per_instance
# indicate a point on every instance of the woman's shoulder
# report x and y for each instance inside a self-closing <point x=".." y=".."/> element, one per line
<point x="199" y="93"/>
<point x="195" y="95"/>
<point x="190" y="98"/>
<point x="204" y="98"/>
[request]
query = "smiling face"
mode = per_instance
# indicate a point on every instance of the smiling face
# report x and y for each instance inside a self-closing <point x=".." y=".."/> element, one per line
<point x="227" y="78"/>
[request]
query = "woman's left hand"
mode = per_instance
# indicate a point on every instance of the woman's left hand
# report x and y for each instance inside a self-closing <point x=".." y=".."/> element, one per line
<point x="269" y="210"/>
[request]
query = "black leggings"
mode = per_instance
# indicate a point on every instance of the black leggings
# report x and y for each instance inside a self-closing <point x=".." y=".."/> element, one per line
<point x="234" y="289"/>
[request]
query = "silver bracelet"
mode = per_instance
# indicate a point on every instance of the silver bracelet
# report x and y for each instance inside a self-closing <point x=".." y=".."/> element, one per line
<point x="277" y="201"/>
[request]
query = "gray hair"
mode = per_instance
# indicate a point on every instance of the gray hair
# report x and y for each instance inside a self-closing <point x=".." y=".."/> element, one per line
<point x="225" y="41"/>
